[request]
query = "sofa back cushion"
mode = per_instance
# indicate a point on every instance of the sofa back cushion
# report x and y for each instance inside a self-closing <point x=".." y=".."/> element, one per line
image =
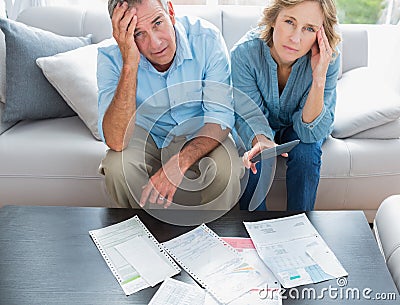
<point x="237" y="20"/>
<point x="203" y="11"/>
<point x="3" y="126"/>
<point x="355" y="47"/>
<point x="2" y="9"/>
<point x="232" y="20"/>
<point x="2" y="56"/>
<point x="29" y="95"/>
<point x="69" y="21"/>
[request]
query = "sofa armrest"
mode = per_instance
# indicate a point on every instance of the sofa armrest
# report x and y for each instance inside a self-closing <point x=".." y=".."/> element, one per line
<point x="355" y="47"/>
<point x="387" y="232"/>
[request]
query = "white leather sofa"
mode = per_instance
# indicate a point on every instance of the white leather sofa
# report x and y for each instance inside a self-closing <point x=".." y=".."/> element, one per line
<point x="55" y="161"/>
<point x="387" y="233"/>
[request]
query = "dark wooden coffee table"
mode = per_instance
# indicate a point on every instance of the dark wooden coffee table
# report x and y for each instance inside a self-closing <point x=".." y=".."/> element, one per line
<point x="48" y="257"/>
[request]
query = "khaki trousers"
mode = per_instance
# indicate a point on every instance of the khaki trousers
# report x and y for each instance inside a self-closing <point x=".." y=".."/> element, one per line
<point x="212" y="183"/>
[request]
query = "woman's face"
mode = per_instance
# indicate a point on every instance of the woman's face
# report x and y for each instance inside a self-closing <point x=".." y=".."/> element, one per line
<point x="295" y="31"/>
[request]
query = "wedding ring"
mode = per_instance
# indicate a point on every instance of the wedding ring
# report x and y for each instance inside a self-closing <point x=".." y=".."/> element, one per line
<point x="161" y="198"/>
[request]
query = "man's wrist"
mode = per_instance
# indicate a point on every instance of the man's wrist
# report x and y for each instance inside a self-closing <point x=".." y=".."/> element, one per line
<point x="184" y="162"/>
<point x="129" y="68"/>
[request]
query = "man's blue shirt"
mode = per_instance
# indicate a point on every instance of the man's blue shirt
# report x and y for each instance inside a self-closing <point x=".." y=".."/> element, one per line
<point x="195" y="90"/>
<point x="260" y="109"/>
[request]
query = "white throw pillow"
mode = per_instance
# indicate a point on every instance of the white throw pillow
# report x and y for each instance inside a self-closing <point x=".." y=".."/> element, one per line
<point x="73" y="75"/>
<point x="386" y="131"/>
<point x="2" y="56"/>
<point x="364" y="101"/>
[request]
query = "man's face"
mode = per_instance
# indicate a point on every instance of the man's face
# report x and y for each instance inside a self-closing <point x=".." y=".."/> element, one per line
<point x="155" y="34"/>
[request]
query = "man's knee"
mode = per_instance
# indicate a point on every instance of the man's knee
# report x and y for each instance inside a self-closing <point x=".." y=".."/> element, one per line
<point x="229" y="174"/>
<point x="123" y="179"/>
<point x="227" y="169"/>
<point x="111" y="165"/>
<point x="228" y="164"/>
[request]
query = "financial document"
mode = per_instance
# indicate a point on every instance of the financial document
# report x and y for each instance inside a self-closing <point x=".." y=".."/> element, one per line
<point x="173" y="292"/>
<point x="213" y="263"/>
<point x="295" y="252"/>
<point x="266" y="294"/>
<point x="133" y="255"/>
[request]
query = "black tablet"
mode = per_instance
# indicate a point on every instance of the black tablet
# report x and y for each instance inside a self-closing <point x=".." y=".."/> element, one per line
<point x="275" y="151"/>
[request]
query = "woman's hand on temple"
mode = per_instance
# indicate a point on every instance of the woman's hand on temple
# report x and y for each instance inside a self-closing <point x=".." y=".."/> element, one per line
<point x="321" y="56"/>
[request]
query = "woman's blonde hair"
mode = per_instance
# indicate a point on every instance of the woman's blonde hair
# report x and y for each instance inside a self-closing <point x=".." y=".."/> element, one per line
<point x="271" y="12"/>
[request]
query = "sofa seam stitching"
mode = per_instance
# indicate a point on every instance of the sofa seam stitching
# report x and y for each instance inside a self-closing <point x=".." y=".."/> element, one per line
<point x="346" y="193"/>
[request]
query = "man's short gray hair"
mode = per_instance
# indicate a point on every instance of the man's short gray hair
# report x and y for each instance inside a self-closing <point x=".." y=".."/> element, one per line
<point x="113" y="3"/>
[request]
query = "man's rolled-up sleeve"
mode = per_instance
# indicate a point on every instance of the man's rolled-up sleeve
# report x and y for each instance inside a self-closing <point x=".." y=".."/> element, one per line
<point x="322" y="125"/>
<point x="108" y="74"/>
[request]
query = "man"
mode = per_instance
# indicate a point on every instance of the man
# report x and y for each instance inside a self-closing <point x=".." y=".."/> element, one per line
<point x="165" y="110"/>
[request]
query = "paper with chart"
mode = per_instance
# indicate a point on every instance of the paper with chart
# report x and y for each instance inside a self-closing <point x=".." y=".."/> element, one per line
<point x="295" y="252"/>
<point x="211" y="261"/>
<point x="266" y="294"/>
<point x="134" y="256"/>
<point x="174" y="292"/>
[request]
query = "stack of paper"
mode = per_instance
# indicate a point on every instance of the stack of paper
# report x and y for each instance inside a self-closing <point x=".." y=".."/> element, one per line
<point x="134" y="256"/>
<point x="214" y="264"/>
<point x="173" y="292"/>
<point x="295" y="252"/>
<point x="236" y="271"/>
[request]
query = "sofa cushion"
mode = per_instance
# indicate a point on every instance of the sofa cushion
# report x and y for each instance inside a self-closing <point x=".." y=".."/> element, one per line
<point x="237" y="20"/>
<point x="73" y="74"/>
<point x="2" y="68"/>
<point x="51" y="162"/>
<point x="2" y="56"/>
<point x="70" y="21"/>
<point x="386" y="131"/>
<point x="364" y="101"/>
<point x="354" y="48"/>
<point x="203" y="11"/>
<point x="3" y="126"/>
<point x="60" y="147"/>
<point x="29" y="95"/>
<point x="3" y="9"/>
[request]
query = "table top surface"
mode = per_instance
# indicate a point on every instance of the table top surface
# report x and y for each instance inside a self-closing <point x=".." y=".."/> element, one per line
<point x="48" y="257"/>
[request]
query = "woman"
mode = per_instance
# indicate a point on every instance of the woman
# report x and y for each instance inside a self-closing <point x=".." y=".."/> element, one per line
<point x="288" y="68"/>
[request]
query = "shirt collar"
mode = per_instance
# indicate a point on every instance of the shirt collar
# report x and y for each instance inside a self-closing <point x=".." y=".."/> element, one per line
<point x="183" y="50"/>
